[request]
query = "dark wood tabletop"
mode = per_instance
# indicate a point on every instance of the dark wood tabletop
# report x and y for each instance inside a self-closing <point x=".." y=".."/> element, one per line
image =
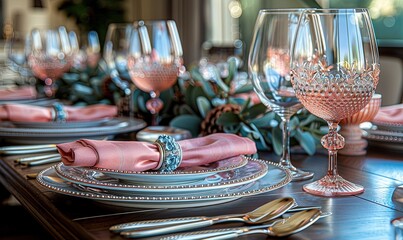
<point x="365" y="216"/>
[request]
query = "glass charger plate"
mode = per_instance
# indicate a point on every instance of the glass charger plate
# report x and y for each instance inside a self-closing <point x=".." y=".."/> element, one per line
<point x="252" y="171"/>
<point x="180" y="175"/>
<point x="50" y="136"/>
<point x="75" y="124"/>
<point x="276" y="177"/>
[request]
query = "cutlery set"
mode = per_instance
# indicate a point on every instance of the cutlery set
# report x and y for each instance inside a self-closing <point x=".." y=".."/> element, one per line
<point x="47" y="154"/>
<point x="280" y="217"/>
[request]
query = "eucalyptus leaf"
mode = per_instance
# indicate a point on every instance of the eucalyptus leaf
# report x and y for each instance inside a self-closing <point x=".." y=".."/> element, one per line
<point x="254" y="111"/>
<point x="277" y="136"/>
<point x="232" y="129"/>
<point x="294" y="123"/>
<point x="217" y="79"/>
<point x="208" y="89"/>
<point x="308" y="120"/>
<point x="237" y="101"/>
<point x="228" y="119"/>
<point x="244" y="89"/>
<point x="188" y="122"/>
<point x="307" y="141"/>
<point x="257" y="136"/>
<point x="232" y="70"/>
<point x="263" y="121"/>
<point x="203" y="105"/>
<point x="70" y="78"/>
<point x="185" y="109"/>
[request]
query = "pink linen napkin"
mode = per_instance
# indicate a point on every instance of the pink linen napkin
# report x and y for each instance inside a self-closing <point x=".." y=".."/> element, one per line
<point x="390" y="115"/>
<point x="29" y="113"/>
<point x="143" y="156"/>
<point x="26" y="92"/>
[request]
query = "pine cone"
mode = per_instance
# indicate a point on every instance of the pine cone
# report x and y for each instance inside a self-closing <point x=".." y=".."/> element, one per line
<point x="209" y="124"/>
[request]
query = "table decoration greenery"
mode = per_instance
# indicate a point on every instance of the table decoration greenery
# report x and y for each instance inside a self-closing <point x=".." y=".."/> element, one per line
<point x="208" y="98"/>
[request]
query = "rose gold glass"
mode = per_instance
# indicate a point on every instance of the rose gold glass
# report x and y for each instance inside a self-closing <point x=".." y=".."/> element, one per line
<point x="50" y="56"/>
<point x="335" y="70"/>
<point x="155" y="59"/>
<point x="269" y="64"/>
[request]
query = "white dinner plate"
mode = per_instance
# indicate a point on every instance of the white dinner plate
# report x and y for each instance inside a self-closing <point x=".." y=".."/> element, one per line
<point x="179" y="176"/>
<point x="276" y="177"/>
<point x="252" y="171"/>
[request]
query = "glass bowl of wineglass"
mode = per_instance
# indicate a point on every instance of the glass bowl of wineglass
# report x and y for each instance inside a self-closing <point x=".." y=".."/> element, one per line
<point x="155" y="60"/>
<point x="50" y="56"/>
<point x="269" y="65"/>
<point x="335" y="71"/>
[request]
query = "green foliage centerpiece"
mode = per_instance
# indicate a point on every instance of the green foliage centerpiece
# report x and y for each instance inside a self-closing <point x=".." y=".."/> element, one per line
<point x="218" y="98"/>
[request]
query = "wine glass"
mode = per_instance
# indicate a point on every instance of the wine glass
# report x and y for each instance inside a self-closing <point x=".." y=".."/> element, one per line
<point x="88" y="53"/>
<point x="50" y="56"/>
<point x="335" y="70"/>
<point x="269" y="64"/>
<point x="155" y="60"/>
<point x="16" y="49"/>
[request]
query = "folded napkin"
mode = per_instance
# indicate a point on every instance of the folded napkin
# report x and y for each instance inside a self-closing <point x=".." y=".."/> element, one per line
<point x="26" y="92"/>
<point x="390" y="115"/>
<point x="29" y="113"/>
<point x="143" y="156"/>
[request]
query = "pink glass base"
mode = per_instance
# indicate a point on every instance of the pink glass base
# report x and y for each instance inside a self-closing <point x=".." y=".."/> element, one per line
<point x="332" y="186"/>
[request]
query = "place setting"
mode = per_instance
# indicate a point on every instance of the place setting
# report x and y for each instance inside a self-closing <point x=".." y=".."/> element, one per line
<point x="26" y="124"/>
<point x="188" y="173"/>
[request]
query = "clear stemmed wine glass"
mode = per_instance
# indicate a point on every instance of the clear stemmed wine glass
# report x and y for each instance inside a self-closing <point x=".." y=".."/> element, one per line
<point x="269" y="64"/>
<point x="116" y="50"/>
<point x="87" y="51"/>
<point x="155" y="60"/>
<point x="335" y="70"/>
<point x="16" y="49"/>
<point x="50" y="56"/>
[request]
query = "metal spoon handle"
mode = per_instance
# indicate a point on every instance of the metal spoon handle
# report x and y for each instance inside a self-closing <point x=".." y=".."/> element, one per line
<point x="237" y="234"/>
<point x="215" y="232"/>
<point x="168" y="229"/>
<point x="153" y="223"/>
<point x="140" y="225"/>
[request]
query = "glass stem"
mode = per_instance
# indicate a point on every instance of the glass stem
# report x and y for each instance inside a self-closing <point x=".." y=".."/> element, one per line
<point x="333" y="143"/>
<point x="285" y="158"/>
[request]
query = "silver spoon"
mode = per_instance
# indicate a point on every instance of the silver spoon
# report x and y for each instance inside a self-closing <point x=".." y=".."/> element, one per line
<point x="296" y="223"/>
<point x="223" y="231"/>
<point x="270" y="210"/>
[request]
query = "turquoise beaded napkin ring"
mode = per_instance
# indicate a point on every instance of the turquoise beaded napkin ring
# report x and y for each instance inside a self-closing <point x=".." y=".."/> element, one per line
<point x="170" y="153"/>
<point x="58" y="113"/>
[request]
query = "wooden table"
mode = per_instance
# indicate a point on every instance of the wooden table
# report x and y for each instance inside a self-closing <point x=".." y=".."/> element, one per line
<point x="365" y="216"/>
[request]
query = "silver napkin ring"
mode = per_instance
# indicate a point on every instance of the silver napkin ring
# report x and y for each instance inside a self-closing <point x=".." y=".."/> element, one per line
<point x="58" y="113"/>
<point x="170" y="153"/>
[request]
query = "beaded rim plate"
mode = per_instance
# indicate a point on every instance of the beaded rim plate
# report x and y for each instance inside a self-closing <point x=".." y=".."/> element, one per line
<point x="389" y="140"/>
<point x="252" y="171"/>
<point x="180" y="175"/>
<point x="72" y="124"/>
<point x="389" y="126"/>
<point x="276" y="177"/>
<point x="58" y="135"/>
